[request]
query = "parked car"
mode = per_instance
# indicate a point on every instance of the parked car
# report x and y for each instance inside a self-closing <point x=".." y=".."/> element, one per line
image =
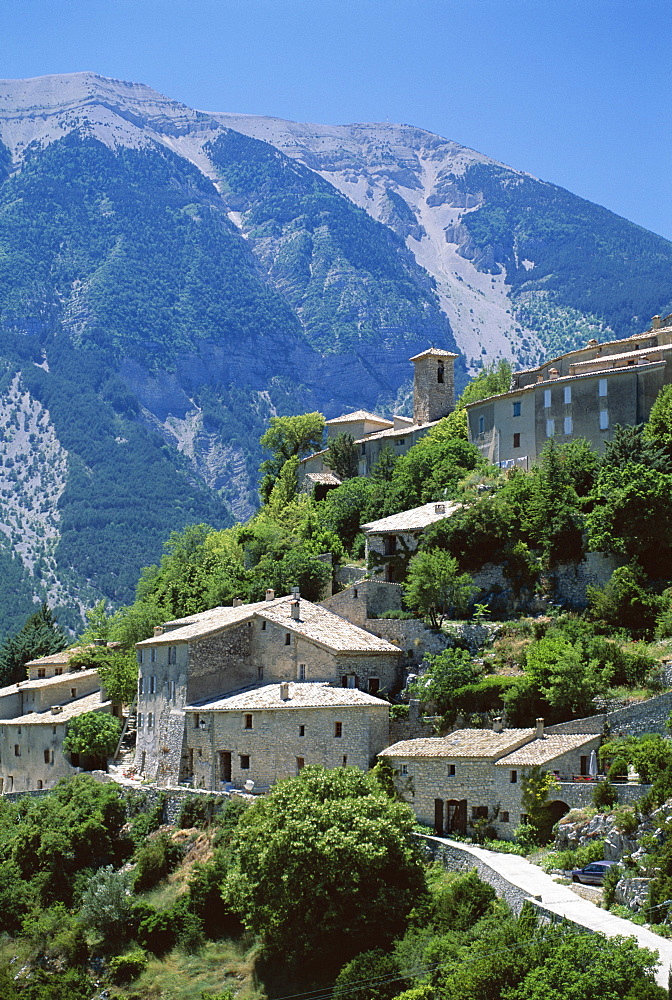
<point x="592" y="874"/>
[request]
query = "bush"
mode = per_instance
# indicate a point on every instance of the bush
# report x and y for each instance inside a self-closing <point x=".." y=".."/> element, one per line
<point x="578" y="858"/>
<point x="604" y="795"/>
<point x="155" y="860"/>
<point x="198" y="811"/>
<point x="125" y="968"/>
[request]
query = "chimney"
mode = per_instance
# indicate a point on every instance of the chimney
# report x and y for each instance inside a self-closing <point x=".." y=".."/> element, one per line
<point x="296" y="592"/>
<point x="540" y="729"/>
<point x="284" y="691"/>
<point x="553" y="373"/>
<point x="270" y="595"/>
<point x="497" y="725"/>
<point x="158" y="630"/>
<point x="295" y="608"/>
<point x="655" y="322"/>
<point x="237" y="601"/>
<point x="540" y="377"/>
<point x="439" y="508"/>
<point x="100" y="642"/>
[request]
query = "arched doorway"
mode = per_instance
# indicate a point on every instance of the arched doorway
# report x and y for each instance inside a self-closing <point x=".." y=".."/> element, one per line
<point x="557" y="809"/>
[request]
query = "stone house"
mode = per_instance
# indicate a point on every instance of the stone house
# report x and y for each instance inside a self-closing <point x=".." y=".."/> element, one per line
<point x="473" y="774"/>
<point x="392" y="541"/>
<point x="433" y="398"/>
<point x="34" y="715"/>
<point x="226" y="650"/>
<point x="268" y="733"/>
<point x="583" y="393"/>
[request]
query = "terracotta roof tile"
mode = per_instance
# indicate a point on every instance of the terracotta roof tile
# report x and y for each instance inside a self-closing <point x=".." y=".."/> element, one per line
<point x="463" y="743"/>
<point x="546" y="749"/>
<point x="412" y="520"/>
<point x="308" y="695"/>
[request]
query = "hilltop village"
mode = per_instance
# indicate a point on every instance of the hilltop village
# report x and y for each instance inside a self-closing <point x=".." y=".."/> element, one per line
<point x="240" y="696"/>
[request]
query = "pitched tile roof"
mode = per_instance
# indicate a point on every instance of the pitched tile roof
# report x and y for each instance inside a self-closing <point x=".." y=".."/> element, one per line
<point x="305" y="695"/>
<point x="328" y="478"/>
<point x="58" y="658"/>
<point x="396" y="432"/>
<point x="463" y="743"/>
<point x="44" y="682"/>
<point x="315" y="623"/>
<point x="412" y="520"/>
<point x="434" y="352"/>
<point x="546" y="749"/>
<point x="89" y="703"/>
<point x="357" y="416"/>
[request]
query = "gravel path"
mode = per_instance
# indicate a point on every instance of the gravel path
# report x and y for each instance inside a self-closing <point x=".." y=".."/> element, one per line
<point x="561" y="900"/>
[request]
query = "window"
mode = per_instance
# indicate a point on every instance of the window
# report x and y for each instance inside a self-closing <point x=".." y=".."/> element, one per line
<point x="400" y="441"/>
<point x="196" y="720"/>
<point x="172" y="654"/>
<point x="152" y="684"/>
<point x="288" y="638"/>
<point x="567" y="394"/>
<point x="516" y="440"/>
<point x="567" y="425"/>
<point x="141" y="684"/>
<point x="140" y="658"/>
<point x="300" y="763"/>
<point x="244" y="762"/>
<point x="479" y="812"/>
<point x="403" y="769"/>
<point x="547" y="398"/>
<point x="41" y="672"/>
<point x="440" y="372"/>
<point x="17" y="750"/>
<point x="390" y="543"/>
<point x="46" y="756"/>
<point x="58" y="671"/>
<point x="150" y="720"/>
<point x="172" y="688"/>
<point x="513" y="777"/>
<point x="73" y="692"/>
<point x="604" y="420"/>
<point x="263" y="625"/>
<point x="248" y="721"/>
<point x="302" y="730"/>
<point x="363" y="450"/>
<point x="152" y="655"/>
<point x="345" y="760"/>
<point x="504" y="816"/>
<point x="550" y="428"/>
<point x="302" y="671"/>
<point x="141" y="720"/>
<point x="481" y="425"/>
<point x="374" y="685"/>
<point x="354" y="593"/>
<point x="516" y="409"/>
<point x="260" y="673"/>
<point x="338" y="730"/>
<point x="602" y="387"/>
<point x="451" y="770"/>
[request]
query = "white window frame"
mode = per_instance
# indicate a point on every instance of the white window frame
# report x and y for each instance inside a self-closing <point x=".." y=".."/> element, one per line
<point x="604" y="420"/>
<point x="547" y="399"/>
<point x="550" y="428"/>
<point x="567" y="394"/>
<point x="602" y="387"/>
<point x="568" y="425"/>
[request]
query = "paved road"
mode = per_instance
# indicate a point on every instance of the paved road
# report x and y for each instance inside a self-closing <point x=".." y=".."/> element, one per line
<point x="561" y="900"/>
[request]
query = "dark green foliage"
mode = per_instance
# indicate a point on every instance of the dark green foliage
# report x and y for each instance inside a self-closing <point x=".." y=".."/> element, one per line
<point x="156" y="930"/>
<point x="446" y="673"/>
<point x="435" y="588"/>
<point x="625" y="603"/>
<point x="118" y="671"/>
<point x="373" y="975"/>
<point x="77" y="826"/>
<point x="94" y="734"/>
<point x="604" y="795"/>
<point x="17" y="897"/>
<point x="40" y="636"/>
<point x="314" y="828"/>
<point x="196" y="811"/>
<point x="458" y="901"/>
<point x="342" y="456"/>
<point x="154" y="860"/>
<point x="617" y="263"/>
<point x="40" y="984"/>
<point x="124" y="968"/>
<point x="631" y="446"/>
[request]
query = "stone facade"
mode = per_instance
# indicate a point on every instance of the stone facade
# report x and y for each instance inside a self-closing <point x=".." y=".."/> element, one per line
<point x="392" y="541"/>
<point x="433" y="398"/>
<point x="365" y="599"/>
<point x="228" y="649"/>
<point x="584" y="393"/>
<point x="260" y="736"/>
<point x="473" y="775"/>
<point x="34" y="716"/>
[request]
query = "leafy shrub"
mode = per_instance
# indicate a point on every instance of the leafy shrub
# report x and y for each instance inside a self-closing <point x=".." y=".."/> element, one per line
<point x="609" y="883"/>
<point x="397" y="615"/>
<point x="604" y="795"/>
<point x="373" y="975"/>
<point x="156" y="930"/>
<point x="125" y="968"/>
<point x="577" y="858"/>
<point x="625" y="819"/>
<point x="155" y="860"/>
<point x="197" y="810"/>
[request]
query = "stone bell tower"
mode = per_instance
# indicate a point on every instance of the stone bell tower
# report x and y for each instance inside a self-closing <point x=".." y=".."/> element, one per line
<point x="433" y="385"/>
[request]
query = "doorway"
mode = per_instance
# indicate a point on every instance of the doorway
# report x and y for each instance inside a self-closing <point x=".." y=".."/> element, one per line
<point x="225" y="765"/>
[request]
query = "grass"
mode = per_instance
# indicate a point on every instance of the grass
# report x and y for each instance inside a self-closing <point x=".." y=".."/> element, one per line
<point x="218" y="966"/>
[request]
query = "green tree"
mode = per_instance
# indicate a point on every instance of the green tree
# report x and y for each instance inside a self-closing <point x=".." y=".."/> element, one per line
<point x="342" y="456"/>
<point x="40" y="636"/>
<point x="94" y="734"/>
<point x="536" y="786"/>
<point x="107" y="904"/>
<point x="436" y="588"/>
<point x="117" y="669"/>
<point x="288" y="437"/>
<point x="447" y="672"/>
<point x="659" y="426"/>
<point x="624" y="602"/>
<point x="636" y="444"/>
<point x="292" y="851"/>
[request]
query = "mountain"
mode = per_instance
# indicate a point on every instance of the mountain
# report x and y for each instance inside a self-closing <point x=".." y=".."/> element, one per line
<point x="169" y="278"/>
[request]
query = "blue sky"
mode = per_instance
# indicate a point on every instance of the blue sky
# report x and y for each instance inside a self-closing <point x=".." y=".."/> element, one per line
<point x="577" y="92"/>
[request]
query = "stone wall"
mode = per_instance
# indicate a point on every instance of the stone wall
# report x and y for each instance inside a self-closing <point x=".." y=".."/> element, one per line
<point x="221" y="662"/>
<point x="646" y="717"/>
<point x="274" y="747"/>
<point x="365" y="599"/>
<point x="569" y="581"/>
<point x="591" y="724"/>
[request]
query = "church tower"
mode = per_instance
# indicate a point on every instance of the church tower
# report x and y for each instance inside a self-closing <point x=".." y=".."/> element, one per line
<point x="433" y="385"/>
